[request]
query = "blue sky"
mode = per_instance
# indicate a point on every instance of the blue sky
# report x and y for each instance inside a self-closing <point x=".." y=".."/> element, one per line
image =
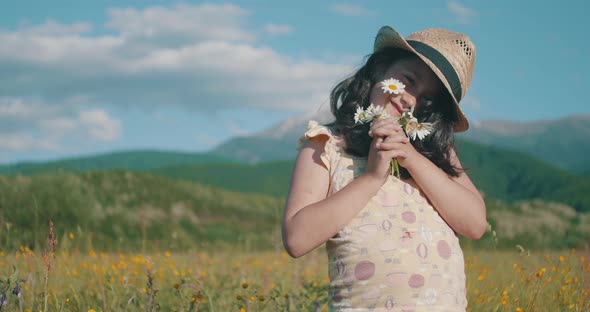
<point x="84" y="77"/>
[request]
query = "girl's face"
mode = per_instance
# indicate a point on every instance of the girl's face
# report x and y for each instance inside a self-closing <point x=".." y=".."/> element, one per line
<point x="421" y="85"/>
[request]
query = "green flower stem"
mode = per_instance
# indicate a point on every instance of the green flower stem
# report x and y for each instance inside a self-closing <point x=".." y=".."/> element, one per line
<point x="395" y="168"/>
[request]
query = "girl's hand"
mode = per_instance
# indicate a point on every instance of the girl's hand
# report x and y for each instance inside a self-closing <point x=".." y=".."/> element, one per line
<point x="389" y="141"/>
<point x="388" y="137"/>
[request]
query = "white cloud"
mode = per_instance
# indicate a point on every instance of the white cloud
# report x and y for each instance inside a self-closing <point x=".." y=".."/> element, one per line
<point x="17" y="114"/>
<point x="57" y="80"/>
<point x="182" y="22"/>
<point x="15" y="108"/>
<point x="28" y="125"/>
<point x="100" y="126"/>
<point x="276" y="29"/>
<point x="25" y="142"/>
<point x="463" y="14"/>
<point x="198" y="57"/>
<point x="53" y="28"/>
<point x="58" y="125"/>
<point x="348" y="9"/>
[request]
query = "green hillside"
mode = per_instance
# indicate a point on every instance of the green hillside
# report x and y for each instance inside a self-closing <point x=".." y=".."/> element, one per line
<point x="570" y="136"/>
<point x="499" y="173"/>
<point x="122" y="210"/>
<point x="510" y="175"/>
<point x="132" y="211"/>
<point x="537" y="224"/>
<point x="135" y="160"/>
<point x="271" y="178"/>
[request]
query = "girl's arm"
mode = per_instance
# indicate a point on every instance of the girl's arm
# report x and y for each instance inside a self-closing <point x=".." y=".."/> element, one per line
<point x="455" y="198"/>
<point x="310" y="219"/>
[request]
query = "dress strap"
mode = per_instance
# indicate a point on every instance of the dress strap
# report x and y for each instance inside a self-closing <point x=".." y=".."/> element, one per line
<point x="319" y="132"/>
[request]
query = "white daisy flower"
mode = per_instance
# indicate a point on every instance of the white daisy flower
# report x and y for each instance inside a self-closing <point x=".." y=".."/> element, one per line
<point x="359" y="116"/>
<point x="377" y="112"/>
<point x="406" y="120"/>
<point x="392" y="86"/>
<point x="411" y="128"/>
<point x="370" y="112"/>
<point x="423" y="129"/>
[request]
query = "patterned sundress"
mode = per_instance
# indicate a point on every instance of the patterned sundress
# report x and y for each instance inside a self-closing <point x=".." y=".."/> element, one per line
<point x="397" y="254"/>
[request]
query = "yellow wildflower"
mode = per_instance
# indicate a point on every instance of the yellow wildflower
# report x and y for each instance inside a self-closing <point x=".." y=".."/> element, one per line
<point x="541" y="273"/>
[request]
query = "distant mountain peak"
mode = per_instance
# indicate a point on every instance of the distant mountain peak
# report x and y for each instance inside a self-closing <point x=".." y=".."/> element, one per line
<point x="570" y="135"/>
<point x="294" y="125"/>
<point x="511" y="128"/>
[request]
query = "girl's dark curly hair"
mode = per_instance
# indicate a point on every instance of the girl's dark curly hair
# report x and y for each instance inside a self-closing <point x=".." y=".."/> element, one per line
<point x="355" y="90"/>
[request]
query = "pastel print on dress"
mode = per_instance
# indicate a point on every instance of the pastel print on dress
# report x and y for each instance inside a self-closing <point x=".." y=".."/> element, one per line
<point x="397" y="253"/>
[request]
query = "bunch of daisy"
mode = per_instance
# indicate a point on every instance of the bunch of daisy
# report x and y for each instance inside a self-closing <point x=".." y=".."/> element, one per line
<point x="407" y="121"/>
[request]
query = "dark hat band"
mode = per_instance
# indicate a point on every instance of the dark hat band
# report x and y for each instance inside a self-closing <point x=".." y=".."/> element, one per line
<point x="441" y="63"/>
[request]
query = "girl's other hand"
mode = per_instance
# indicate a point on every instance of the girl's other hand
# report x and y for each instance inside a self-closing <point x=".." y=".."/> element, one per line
<point x="389" y="141"/>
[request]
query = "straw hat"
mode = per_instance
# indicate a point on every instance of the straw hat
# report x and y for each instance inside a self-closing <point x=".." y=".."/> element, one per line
<point x="450" y="55"/>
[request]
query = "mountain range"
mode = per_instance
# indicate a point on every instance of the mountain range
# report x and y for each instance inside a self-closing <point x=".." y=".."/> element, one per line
<point x="507" y="160"/>
<point x="563" y="142"/>
<point x="533" y="173"/>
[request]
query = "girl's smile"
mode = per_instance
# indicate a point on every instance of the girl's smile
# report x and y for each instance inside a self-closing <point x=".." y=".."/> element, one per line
<point x="421" y="85"/>
<point x="394" y="107"/>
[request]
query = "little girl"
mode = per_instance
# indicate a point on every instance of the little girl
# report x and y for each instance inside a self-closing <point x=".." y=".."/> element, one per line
<point x="392" y="242"/>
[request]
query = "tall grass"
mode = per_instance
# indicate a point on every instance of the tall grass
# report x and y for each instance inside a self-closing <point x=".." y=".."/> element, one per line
<point x="233" y="279"/>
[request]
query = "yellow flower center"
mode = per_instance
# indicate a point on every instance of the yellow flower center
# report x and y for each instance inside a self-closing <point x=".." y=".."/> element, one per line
<point x="392" y="87"/>
<point x="419" y="127"/>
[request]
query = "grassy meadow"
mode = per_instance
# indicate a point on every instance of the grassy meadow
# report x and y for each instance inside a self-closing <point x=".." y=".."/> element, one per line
<point x="130" y="241"/>
<point x="61" y="278"/>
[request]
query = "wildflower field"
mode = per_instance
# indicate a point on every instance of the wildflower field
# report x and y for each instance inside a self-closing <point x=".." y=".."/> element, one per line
<point x="125" y="241"/>
<point x="235" y="279"/>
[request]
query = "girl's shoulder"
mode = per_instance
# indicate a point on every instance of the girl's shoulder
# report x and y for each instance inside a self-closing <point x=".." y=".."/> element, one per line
<point x="333" y="143"/>
<point x="322" y="132"/>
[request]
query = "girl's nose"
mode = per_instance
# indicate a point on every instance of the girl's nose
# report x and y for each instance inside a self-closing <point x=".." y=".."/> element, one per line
<point x="408" y="100"/>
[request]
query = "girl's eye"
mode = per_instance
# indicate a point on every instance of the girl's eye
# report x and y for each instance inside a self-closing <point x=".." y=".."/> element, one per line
<point x="409" y="79"/>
